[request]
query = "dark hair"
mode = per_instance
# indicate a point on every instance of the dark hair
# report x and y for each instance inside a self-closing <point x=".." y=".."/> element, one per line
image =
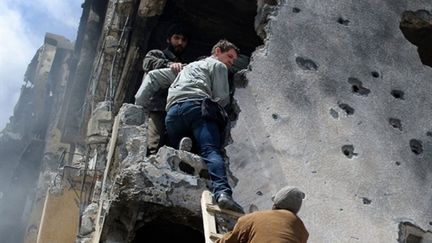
<point x="178" y="29"/>
<point x="225" y="46"/>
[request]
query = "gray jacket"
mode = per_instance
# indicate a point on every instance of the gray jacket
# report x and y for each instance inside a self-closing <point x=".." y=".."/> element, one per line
<point x="199" y="80"/>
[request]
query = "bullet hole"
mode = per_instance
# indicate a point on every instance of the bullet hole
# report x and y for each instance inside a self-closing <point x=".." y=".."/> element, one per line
<point x="395" y="123"/>
<point x="375" y="74"/>
<point x="429" y="134"/>
<point x="348" y="151"/>
<point x="341" y="209"/>
<point x="296" y="10"/>
<point x="430" y="223"/>
<point x="314" y="172"/>
<point x="357" y="87"/>
<point x="416" y="146"/>
<point x="348" y="109"/>
<point x="397" y="94"/>
<point x="398" y="163"/>
<point x="259" y="193"/>
<point x="334" y="113"/>
<point x="253" y="208"/>
<point x="343" y="21"/>
<point x="186" y="168"/>
<point x="366" y="201"/>
<point x="306" y="64"/>
<point x="275" y="116"/>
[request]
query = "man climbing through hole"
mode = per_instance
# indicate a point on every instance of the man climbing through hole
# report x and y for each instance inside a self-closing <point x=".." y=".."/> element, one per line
<point x="177" y="40"/>
<point x="195" y="105"/>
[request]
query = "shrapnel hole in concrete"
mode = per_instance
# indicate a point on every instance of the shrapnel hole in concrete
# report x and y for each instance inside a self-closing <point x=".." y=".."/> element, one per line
<point x="396" y="123"/>
<point x="296" y="10"/>
<point x="416" y="146"/>
<point x="398" y="94"/>
<point x="348" y="151"/>
<point x="375" y="74"/>
<point x="275" y="116"/>
<point x="366" y="201"/>
<point x="347" y="108"/>
<point x="398" y="163"/>
<point x="429" y="133"/>
<point x="334" y="113"/>
<point x="306" y="64"/>
<point x="167" y="232"/>
<point x="417" y="29"/>
<point x="343" y="21"/>
<point x="357" y="87"/>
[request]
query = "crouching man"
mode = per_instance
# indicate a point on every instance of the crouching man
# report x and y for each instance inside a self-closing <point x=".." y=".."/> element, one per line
<point x="281" y="224"/>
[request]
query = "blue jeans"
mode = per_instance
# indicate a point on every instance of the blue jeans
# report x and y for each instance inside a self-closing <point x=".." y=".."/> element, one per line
<point x="185" y="118"/>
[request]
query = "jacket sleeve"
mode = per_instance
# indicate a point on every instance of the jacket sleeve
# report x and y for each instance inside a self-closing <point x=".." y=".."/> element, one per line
<point x="154" y="59"/>
<point x="154" y="81"/>
<point x="220" y="85"/>
<point x="238" y="235"/>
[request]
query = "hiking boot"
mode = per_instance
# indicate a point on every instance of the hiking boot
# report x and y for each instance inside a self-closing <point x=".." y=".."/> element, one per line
<point x="185" y="144"/>
<point x="225" y="201"/>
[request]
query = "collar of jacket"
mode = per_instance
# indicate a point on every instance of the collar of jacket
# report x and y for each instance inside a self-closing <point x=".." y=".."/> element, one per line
<point x="169" y="55"/>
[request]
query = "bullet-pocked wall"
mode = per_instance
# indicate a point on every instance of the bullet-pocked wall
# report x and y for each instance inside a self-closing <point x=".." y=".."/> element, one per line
<point x="338" y="104"/>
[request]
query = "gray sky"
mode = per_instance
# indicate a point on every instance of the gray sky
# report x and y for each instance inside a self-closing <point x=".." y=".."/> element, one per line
<point x="23" y="24"/>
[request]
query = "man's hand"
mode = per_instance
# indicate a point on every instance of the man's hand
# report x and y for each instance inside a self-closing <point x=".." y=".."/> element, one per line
<point x="176" y="67"/>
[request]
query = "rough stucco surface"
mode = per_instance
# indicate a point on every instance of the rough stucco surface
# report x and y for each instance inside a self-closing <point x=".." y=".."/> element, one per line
<point x="292" y="126"/>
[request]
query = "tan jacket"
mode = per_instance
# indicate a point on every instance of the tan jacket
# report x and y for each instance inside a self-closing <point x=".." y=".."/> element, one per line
<point x="271" y="226"/>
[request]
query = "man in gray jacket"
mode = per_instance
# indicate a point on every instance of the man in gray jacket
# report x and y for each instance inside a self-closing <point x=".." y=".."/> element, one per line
<point x="195" y="106"/>
<point x="177" y="40"/>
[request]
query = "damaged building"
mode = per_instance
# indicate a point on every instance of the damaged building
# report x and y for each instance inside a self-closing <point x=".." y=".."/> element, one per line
<point x="337" y="103"/>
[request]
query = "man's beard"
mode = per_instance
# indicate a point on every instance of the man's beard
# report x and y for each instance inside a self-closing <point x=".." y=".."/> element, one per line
<point x="177" y="51"/>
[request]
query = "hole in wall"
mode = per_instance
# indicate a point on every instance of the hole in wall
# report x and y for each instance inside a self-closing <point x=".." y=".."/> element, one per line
<point x="357" y="87"/>
<point x="296" y="10"/>
<point x="306" y="64"/>
<point x="207" y="22"/>
<point x="347" y="108"/>
<point x="416" y="26"/>
<point x="398" y="94"/>
<point x="416" y="146"/>
<point x="334" y="113"/>
<point x="343" y="21"/>
<point x="395" y="123"/>
<point x="375" y="74"/>
<point x="348" y="151"/>
<point x="366" y="201"/>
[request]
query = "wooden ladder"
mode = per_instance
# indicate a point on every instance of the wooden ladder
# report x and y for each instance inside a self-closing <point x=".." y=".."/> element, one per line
<point x="209" y="211"/>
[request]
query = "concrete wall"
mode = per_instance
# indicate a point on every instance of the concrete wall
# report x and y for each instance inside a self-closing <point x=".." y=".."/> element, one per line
<point x="362" y="173"/>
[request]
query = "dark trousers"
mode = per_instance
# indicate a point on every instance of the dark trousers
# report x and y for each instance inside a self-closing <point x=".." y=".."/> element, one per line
<point x="185" y="118"/>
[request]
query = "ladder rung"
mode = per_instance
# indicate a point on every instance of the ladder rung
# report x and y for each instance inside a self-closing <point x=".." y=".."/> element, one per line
<point x="215" y="236"/>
